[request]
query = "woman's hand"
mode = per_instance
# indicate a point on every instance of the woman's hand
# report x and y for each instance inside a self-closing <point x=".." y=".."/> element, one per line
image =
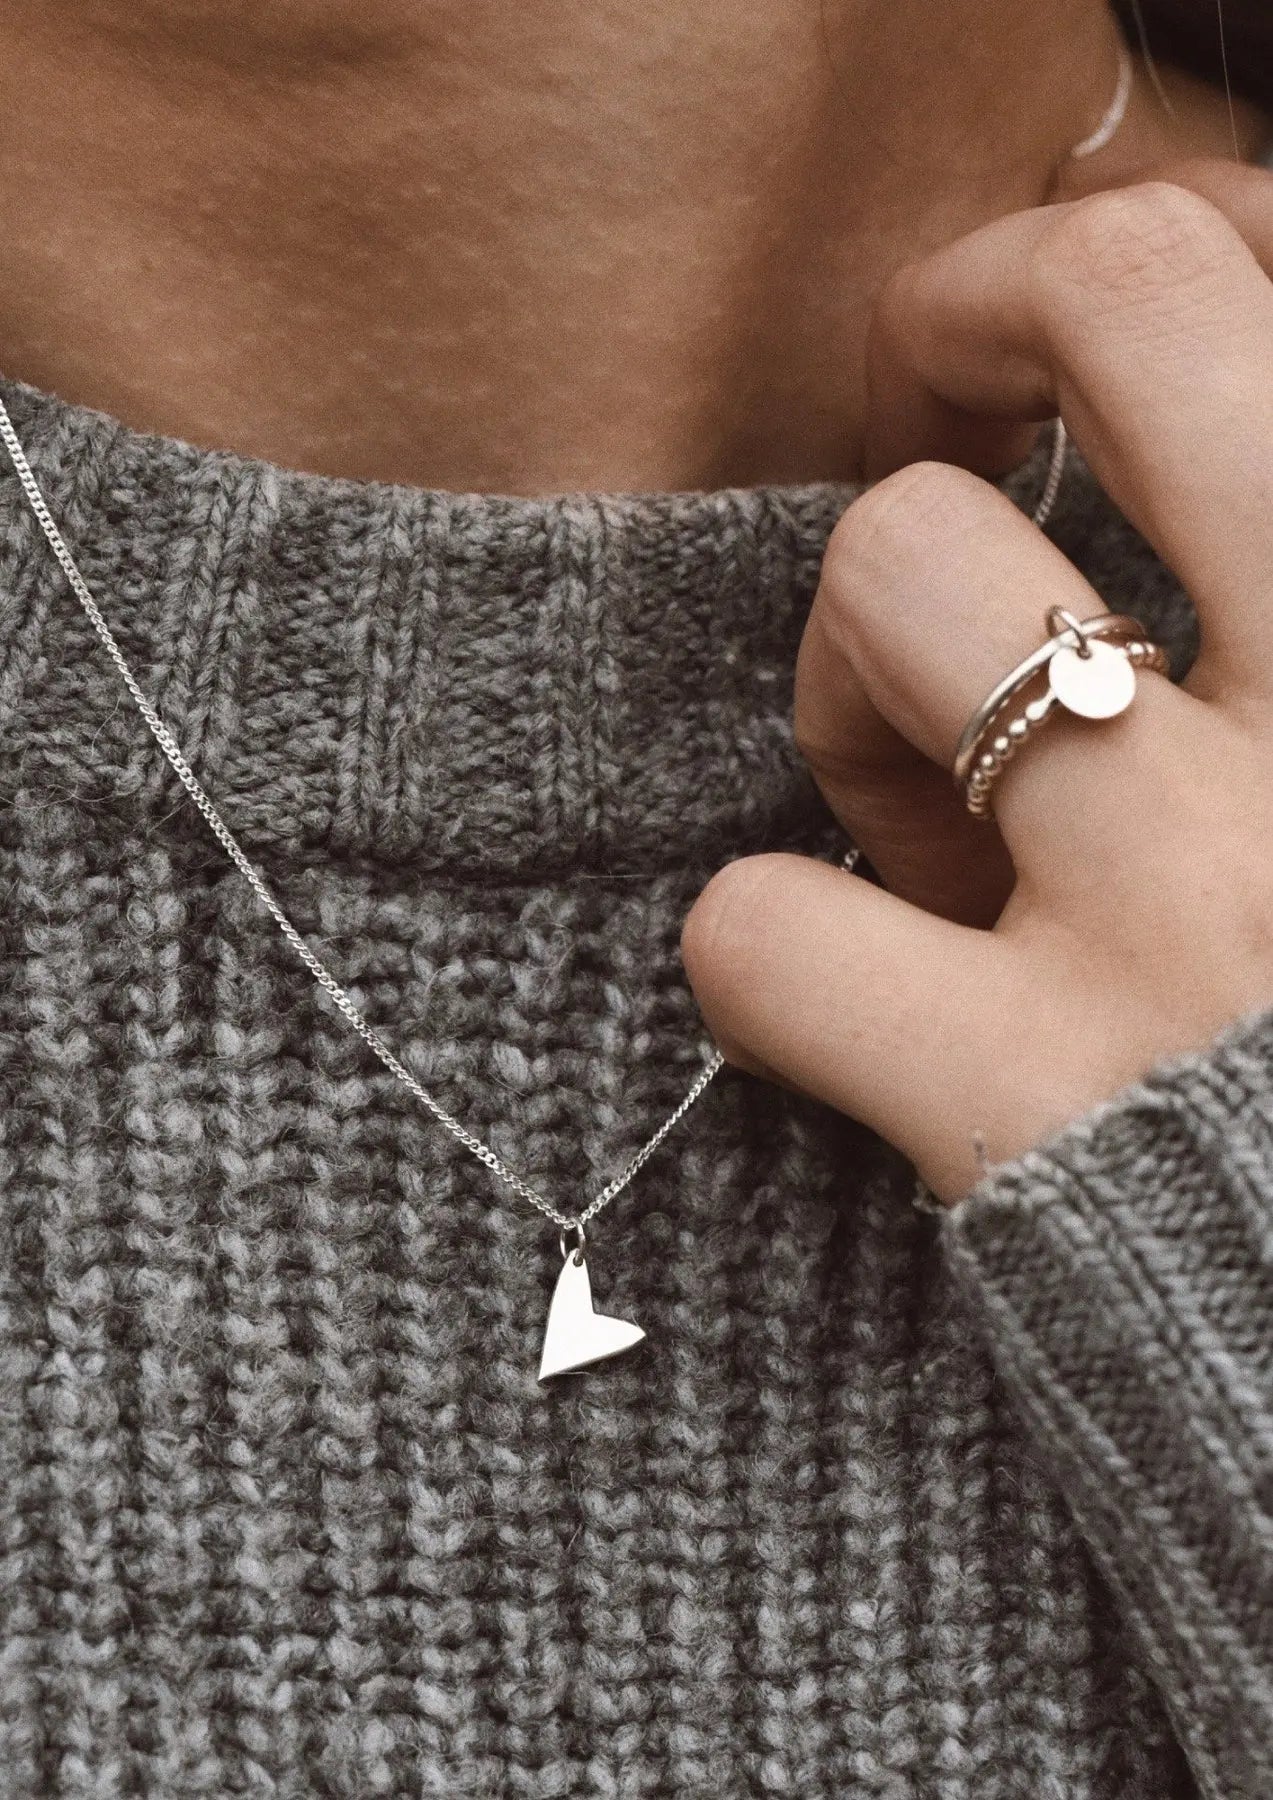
<point x="1122" y="910"/>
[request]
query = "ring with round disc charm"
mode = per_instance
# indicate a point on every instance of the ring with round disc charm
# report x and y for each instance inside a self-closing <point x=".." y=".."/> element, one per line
<point x="1098" y="683"/>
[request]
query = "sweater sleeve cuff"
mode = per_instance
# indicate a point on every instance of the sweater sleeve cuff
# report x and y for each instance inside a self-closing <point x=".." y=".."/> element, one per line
<point x="1123" y="1276"/>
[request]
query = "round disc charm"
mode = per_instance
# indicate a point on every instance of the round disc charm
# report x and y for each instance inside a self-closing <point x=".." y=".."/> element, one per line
<point x="1100" y="685"/>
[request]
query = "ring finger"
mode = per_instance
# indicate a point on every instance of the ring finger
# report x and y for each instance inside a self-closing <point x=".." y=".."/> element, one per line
<point x="934" y="586"/>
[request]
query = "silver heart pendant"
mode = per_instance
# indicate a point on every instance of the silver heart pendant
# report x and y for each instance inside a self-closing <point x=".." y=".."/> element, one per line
<point x="575" y="1336"/>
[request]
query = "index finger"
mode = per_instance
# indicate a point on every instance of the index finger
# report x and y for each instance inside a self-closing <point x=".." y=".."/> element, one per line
<point x="1145" y="317"/>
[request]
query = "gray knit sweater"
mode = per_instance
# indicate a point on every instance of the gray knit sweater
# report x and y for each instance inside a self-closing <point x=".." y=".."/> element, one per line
<point x="884" y="1508"/>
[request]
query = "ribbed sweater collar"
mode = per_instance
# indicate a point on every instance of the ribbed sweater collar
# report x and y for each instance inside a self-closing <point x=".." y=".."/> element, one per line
<point x="474" y="682"/>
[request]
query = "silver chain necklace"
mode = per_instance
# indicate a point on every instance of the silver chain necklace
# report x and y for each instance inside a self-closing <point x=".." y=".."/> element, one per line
<point x="576" y="1335"/>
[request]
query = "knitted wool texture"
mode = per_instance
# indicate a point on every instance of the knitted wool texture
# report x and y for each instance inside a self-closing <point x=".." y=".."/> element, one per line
<point x="284" y="1510"/>
<point x="1124" y="1275"/>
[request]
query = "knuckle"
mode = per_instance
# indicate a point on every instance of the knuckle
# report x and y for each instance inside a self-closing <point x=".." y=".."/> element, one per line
<point x="889" y="523"/>
<point x="1130" y="244"/>
<point x="727" y="920"/>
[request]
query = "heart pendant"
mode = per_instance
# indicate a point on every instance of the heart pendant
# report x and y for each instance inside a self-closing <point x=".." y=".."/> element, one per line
<point x="575" y="1335"/>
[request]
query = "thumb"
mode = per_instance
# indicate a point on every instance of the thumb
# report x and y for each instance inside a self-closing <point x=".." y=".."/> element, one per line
<point x="825" y="981"/>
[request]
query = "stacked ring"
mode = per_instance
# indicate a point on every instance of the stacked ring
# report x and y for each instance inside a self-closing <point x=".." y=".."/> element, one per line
<point x="1087" y="666"/>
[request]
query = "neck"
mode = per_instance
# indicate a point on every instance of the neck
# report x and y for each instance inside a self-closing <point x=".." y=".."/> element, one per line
<point x="530" y="249"/>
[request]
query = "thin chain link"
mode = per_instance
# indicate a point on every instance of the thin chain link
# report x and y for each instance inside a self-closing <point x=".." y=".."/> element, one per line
<point x="323" y="976"/>
<point x="1056" y="473"/>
